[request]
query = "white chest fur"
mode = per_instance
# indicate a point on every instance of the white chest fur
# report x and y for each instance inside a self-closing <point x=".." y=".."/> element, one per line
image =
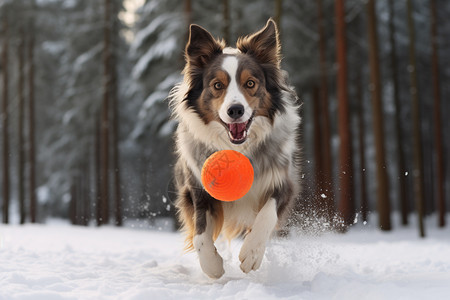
<point x="243" y="212"/>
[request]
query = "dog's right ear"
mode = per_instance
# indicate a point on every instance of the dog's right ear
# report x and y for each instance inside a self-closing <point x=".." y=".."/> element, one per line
<point x="263" y="45"/>
<point x="201" y="47"/>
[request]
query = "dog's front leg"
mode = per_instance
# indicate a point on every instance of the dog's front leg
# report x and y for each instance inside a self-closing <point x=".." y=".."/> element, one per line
<point x="252" y="251"/>
<point x="210" y="260"/>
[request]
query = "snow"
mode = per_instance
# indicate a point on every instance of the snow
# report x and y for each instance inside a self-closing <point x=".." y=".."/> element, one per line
<point x="163" y="48"/>
<point x="58" y="261"/>
<point x="87" y="57"/>
<point x="145" y="33"/>
<point x="53" y="47"/>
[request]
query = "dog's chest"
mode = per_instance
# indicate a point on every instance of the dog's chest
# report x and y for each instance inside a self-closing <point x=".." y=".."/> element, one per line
<point x="243" y="212"/>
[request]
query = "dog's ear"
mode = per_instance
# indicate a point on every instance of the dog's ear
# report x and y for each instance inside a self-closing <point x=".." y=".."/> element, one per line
<point x="263" y="45"/>
<point x="201" y="47"/>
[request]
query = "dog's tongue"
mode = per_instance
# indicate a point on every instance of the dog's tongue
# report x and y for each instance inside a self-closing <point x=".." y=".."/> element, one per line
<point x="237" y="130"/>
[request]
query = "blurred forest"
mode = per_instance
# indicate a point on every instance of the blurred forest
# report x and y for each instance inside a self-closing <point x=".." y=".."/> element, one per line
<point x="86" y="131"/>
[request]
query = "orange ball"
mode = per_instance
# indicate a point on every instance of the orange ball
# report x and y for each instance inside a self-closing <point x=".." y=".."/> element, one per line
<point x="227" y="175"/>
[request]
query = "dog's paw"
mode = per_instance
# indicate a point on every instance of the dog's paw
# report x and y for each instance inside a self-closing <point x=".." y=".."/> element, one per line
<point x="210" y="260"/>
<point x="211" y="263"/>
<point x="251" y="255"/>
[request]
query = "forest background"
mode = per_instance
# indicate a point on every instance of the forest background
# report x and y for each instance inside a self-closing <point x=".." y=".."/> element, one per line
<point x="85" y="131"/>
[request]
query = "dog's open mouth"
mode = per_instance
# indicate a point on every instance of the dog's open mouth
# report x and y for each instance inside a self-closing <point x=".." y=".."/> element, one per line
<point x="237" y="132"/>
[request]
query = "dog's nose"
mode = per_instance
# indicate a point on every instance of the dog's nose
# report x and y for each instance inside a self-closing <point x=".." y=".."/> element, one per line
<point x="236" y="111"/>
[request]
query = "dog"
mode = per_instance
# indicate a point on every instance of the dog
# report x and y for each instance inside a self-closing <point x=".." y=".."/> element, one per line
<point x="239" y="99"/>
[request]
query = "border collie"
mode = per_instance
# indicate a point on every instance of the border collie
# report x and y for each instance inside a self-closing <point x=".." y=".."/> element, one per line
<point x="239" y="99"/>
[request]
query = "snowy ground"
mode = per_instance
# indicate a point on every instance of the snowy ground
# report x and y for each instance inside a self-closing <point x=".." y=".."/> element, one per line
<point x="57" y="261"/>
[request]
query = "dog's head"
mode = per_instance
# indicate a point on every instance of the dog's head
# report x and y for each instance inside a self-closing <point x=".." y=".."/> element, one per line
<point x="234" y="87"/>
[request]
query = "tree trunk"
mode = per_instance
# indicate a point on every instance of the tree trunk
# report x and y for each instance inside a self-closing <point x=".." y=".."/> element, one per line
<point x="362" y="148"/>
<point x="73" y="203"/>
<point x="226" y="21"/>
<point x="326" y="177"/>
<point x="361" y="125"/>
<point x="98" y="172"/>
<point x="116" y="166"/>
<point x="31" y="128"/>
<point x="346" y="202"/>
<point x="31" y="134"/>
<point x="417" y="132"/>
<point x="278" y="13"/>
<point x="20" y="128"/>
<point x="383" y="203"/>
<point x="105" y="114"/>
<point x="5" y="122"/>
<point x="115" y="124"/>
<point x="401" y="169"/>
<point x="188" y="17"/>
<point x="318" y="166"/>
<point x="87" y="196"/>
<point x="439" y="153"/>
<point x="188" y="11"/>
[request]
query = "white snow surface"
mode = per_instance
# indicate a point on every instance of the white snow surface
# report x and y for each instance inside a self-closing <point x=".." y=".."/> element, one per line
<point x="58" y="261"/>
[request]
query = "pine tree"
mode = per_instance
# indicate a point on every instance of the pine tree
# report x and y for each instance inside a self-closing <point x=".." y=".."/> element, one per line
<point x="325" y="180"/>
<point x="5" y="119"/>
<point x="362" y="147"/>
<point x="156" y="54"/>
<point x="226" y="21"/>
<point x="416" y="122"/>
<point x="21" y="121"/>
<point x="438" y="145"/>
<point x="346" y="205"/>
<point x="278" y="13"/>
<point x="401" y="166"/>
<point x="383" y="202"/>
<point x="115" y="32"/>
<point x="31" y="125"/>
<point x="317" y="140"/>
<point x="188" y="16"/>
<point x="105" y="120"/>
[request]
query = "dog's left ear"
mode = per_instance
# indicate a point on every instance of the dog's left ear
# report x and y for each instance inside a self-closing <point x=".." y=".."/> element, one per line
<point x="263" y="45"/>
<point x="201" y="47"/>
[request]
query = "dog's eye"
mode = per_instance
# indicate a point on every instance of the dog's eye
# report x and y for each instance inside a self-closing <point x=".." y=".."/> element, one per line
<point x="250" y="84"/>
<point x="218" y="85"/>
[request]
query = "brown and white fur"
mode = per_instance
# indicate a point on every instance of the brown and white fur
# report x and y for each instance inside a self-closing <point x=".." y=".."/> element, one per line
<point x="235" y="98"/>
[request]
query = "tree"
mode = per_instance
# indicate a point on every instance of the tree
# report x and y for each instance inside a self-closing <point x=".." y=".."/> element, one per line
<point x="105" y="120"/>
<point x="115" y="32"/>
<point x="21" y="133"/>
<point x="156" y="55"/>
<point x="73" y="64"/>
<point x="317" y="140"/>
<point x="31" y="125"/>
<point x="73" y="211"/>
<point x="98" y="172"/>
<point x="325" y="179"/>
<point x="438" y="145"/>
<point x="278" y="13"/>
<point x="188" y="16"/>
<point x="383" y="203"/>
<point x="346" y="205"/>
<point x="5" y="120"/>
<point x="358" y="67"/>
<point x="362" y="147"/>
<point x="226" y="21"/>
<point x="401" y="168"/>
<point x="417" y="131"/>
